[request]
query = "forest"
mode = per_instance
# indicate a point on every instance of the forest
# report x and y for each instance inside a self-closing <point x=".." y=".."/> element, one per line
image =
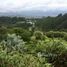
<point x="33" y="42"/>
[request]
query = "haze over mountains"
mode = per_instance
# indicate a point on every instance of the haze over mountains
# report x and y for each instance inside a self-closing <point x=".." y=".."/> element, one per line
<point x="33" y="13"/>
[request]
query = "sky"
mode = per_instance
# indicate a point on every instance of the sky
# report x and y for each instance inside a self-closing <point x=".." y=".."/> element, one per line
<point x="7" y="6"/>
<point x="32" y="7"/>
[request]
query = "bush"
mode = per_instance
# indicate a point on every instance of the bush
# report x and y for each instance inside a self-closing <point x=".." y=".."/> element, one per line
<point x="3" y="33"/>
<point x="12" y="43"/>
<point x="40" y="51"/>
<point x="65" y="37"/>
<point x="4" y="62"/>
<point x="15" y="59"/>
<point x="38" y="35"/>
<point x="61" y="60"/>
<point x="56" y="34"/>
<point x="25" y="34"/>
<point x="51" y="49"/>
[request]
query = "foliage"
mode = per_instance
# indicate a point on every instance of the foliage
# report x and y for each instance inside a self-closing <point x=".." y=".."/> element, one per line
<point x="15" y="52"/>
<point x="61" y="61"/>
<point x="56" y="34"/>
<point x="12" y="43"/>
<point x="38" y="35"/>
<point x="25" y="34"/>
<point x="52" y="23"/>
<point x="45" y="45"/>
<point x="65" y="37"/>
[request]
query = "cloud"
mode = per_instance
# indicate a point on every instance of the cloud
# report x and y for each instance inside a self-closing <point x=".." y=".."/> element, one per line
<point x="23" y="5"/>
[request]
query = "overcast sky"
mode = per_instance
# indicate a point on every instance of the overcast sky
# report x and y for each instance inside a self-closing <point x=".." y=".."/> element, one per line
<point x="24" y="5"/>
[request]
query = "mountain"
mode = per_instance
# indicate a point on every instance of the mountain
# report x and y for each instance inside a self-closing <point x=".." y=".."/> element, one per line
<point x="33" y="13"/>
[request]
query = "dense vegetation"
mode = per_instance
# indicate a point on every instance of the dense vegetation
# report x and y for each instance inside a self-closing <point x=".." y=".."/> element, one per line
<point x="53" y="23"/>
<point x="40" y="42"/>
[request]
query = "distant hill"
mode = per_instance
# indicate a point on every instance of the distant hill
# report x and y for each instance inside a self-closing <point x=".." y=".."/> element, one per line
<point x="33" y="13"/>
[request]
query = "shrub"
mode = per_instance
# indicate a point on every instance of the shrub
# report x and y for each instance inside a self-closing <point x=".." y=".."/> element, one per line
<point x="53" y="50"/>
<point x="4" y="62"/>
<point x="3" y="33"/>
<point x="39" y="35"/>
<point x="61" y="60"/>
<point x="13" y="42"/>
<point x="15" y="59"/>
<point x="65" y="37"/>
<point x="25" y="34"/>
<point x="56" y="34"/>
